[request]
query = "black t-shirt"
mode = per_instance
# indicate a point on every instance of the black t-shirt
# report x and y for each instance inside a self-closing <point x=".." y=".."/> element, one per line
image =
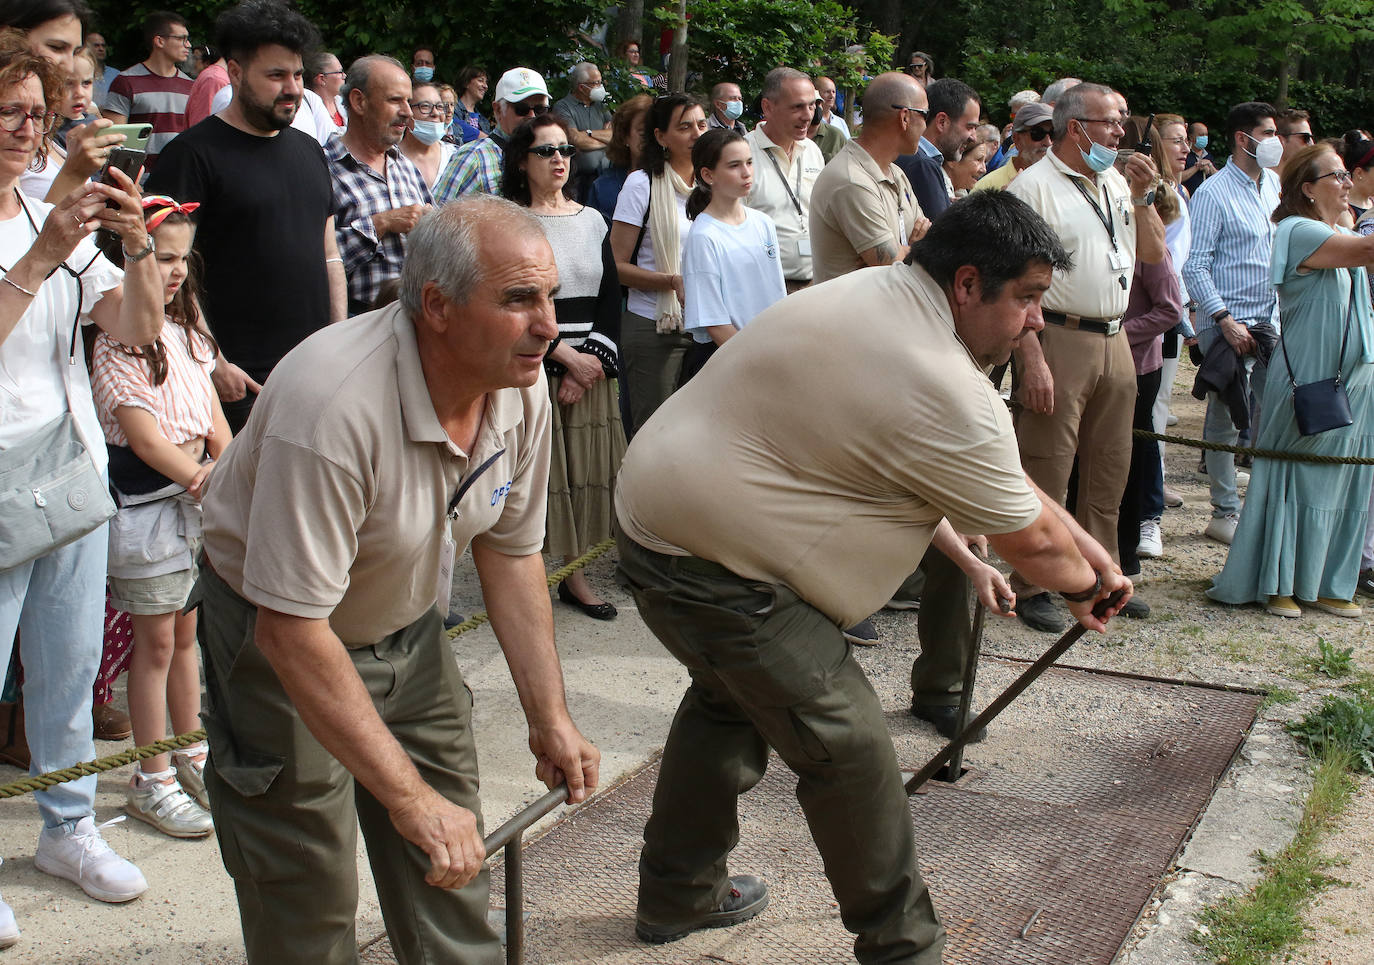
<point x="264" y="203"/>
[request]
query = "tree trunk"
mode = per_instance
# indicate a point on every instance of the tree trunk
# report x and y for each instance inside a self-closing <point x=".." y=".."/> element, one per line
<point x="629" y="25"/>
<point x="677" y="59"/>
<point x="1285" y="73"/>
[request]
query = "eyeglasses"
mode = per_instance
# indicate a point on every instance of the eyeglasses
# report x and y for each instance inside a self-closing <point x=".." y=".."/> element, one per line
<point x="12" y="119"/>
<point x="925" y="114"/>
<point x="178" y="38"/>
<point x="1342" y="177"/>
<point x="332" y="73"/>
<point x="523" y="109"/>
<point x="1175" y="141"/>
<point x="547" y="151"/>
<point x="1306" y="137"/>
<point x="426" y="108"/>
<point x="1038" y="134"/>
<point x="1109" y="121"/>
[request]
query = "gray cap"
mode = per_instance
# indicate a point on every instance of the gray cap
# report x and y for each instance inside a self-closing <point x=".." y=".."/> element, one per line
<point x="1031" y="115"/>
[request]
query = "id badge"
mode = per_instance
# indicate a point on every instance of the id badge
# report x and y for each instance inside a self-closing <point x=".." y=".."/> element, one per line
<point x="804" y="247"/>
<point x="443" y="588"/>
<point x="1117" y="260"/>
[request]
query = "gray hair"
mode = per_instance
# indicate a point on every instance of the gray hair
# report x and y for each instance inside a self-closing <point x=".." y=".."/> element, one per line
<point x="360" y="72"/>
<point x="773" y="81"/>
<point x="1058" y="89"/>
<point x="1021" y="98"/>
<point x="442" y="247"/>
<point x="1071" y="104"/>
<point x="582" y="72"/>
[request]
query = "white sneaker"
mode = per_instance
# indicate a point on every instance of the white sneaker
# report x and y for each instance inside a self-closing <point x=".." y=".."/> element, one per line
<point x="190" y="767"/>
<point x="164" y="805"/>
<point x="1171" y="420"/>
<point x="9" y="928"/>
<point x="1242" y="478"/>
<point x="81" y="855"/>
<point x="1151" y="544"/>
<point x="1222" y="529"/>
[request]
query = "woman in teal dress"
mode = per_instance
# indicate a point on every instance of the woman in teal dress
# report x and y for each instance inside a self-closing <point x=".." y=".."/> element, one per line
<point x="1302" y="526"/>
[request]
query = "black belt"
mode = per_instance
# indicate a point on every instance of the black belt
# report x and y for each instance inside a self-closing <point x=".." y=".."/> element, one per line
<point x="1101" y="326"/>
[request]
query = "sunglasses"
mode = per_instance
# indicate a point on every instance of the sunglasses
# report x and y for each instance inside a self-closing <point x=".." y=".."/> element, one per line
<point x="925" y="114"/>
<point x="1038" y="134"/>
<point x="524" y="110"/>
<point x="547" y="151"/>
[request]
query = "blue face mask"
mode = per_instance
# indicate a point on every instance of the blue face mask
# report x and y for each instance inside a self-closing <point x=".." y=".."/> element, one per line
<point x="424" y="74"/>
<point x="1201" y="142"/>
<point x="733" y="109"/>
<point x="1098" y="158"/>
<point x="427" y="132"/>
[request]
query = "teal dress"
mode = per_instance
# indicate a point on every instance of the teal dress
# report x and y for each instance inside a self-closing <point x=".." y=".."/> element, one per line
<point x="1303" y="524"/>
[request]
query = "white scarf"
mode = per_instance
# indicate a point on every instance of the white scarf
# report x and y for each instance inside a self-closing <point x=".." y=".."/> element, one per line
<point x="665" y="229"/>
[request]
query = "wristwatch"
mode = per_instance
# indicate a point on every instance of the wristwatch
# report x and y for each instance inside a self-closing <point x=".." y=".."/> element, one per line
<point x="1148" y="198"/>
<point x="1088" y="594"/>
<point x="137" y="256"/>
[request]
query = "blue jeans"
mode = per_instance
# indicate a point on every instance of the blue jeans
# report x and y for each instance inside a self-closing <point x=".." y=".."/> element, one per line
<point x="1218" y="427"/>
<point x="57" y="602"/>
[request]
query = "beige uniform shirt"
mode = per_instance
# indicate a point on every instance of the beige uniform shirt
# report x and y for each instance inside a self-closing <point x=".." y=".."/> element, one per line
<point x="1100" y="283"/>
<point x="823" y="458"/>
<point x="782" y="190"/>
<point x="856" y="206"/>
<point x="334" y="499"/>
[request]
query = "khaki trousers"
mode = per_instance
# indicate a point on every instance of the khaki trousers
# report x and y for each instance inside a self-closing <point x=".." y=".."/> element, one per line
<point x="769" y="670"/>
<point x="287" y="813"/>
<point x="1094" y="400"/>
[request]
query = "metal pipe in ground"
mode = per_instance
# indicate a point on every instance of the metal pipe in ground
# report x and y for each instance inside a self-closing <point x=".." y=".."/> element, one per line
<point x="510" y="837"/>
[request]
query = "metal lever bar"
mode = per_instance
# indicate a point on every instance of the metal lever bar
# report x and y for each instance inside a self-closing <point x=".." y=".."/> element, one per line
<point x="510" y="837"/>
<point x="1017" y="687"/>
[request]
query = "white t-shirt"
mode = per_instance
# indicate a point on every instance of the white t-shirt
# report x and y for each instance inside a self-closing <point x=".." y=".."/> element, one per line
<point x="38" y="379"/>
<point x="730" y="272"/>
<point x="630" y="210"/>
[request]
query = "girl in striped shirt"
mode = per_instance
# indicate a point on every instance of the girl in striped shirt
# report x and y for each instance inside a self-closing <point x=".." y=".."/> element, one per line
<point x="164" y="428"/>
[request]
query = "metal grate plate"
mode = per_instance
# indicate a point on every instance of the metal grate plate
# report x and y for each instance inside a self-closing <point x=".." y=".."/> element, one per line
<point x="1080" y="835"/>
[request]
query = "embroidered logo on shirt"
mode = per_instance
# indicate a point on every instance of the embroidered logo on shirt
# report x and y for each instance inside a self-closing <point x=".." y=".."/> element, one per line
<point x="499" y="493"/>
<point x="771" y="248"/>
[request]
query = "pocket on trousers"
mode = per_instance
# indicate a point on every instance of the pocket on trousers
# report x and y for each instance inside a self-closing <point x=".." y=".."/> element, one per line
<point x="247" y="771"/>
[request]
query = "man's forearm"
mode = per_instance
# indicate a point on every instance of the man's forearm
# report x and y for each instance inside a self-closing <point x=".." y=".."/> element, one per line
<point x="516" y="593"/>
<point x="338" y="290"/>
<point x="318" y="675"/>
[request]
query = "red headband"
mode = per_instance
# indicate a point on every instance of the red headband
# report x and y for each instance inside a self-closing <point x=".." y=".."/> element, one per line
<point x="156" y="208"/>
<point x="1368" y="156"/>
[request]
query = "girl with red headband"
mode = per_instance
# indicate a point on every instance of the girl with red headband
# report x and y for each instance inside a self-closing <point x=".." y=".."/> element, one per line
<point x="164" y="428"/>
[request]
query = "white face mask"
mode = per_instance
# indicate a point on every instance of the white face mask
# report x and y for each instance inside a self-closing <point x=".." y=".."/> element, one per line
<point x="428" y="132"/>
<point x="597" y="94"/>
<point x="1268" y="153"/>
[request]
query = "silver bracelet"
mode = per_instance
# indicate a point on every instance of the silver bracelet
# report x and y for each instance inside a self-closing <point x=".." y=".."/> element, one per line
<point x="19" y="288"/>
<point x="333" y="261"/>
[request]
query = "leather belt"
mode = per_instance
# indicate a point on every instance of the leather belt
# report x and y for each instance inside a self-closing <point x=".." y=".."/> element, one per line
<point x="1102" y="326"/>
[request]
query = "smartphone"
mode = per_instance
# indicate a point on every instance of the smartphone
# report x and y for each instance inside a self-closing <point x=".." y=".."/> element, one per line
<point x="135" y="135"/>
<point x="129" y="161"/>
<point x="1146" y="146"/>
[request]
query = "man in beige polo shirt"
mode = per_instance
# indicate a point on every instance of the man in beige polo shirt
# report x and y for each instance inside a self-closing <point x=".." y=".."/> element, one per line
<point x="784" y="493"/>
<point x="786" y="165"/>
<point x="1077" y="382"/>
<point x="381" y="448"/>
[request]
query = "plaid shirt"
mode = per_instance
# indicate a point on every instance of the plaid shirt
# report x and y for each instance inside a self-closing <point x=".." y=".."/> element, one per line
<point x="359" y="193"/>
<point x="475" y="168"/>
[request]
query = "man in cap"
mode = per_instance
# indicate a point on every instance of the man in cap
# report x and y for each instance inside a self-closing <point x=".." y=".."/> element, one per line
<point x="1032" y="134"/>
<point x="475" y="168"/>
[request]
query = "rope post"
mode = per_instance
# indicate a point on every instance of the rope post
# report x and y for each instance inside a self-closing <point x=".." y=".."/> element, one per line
<point x="509" y="837"/>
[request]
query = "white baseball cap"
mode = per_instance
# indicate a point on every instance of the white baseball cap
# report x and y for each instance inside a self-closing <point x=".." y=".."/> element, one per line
<point x="519" y="83"/>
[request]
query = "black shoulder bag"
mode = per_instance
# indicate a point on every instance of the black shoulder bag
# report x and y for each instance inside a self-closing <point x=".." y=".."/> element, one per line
<point x="1322" y="406"/>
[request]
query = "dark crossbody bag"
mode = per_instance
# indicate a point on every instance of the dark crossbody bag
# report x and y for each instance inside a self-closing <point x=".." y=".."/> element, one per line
<point x="1322" y="406"/>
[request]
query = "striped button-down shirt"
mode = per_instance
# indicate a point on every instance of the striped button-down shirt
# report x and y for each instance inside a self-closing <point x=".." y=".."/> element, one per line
<point x="1233" y="239"/>
<point x="359" y="193"/>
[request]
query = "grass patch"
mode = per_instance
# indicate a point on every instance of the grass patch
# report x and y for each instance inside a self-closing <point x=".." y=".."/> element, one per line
<point x="1333" y="661"/>
<point x="1343" y="725"/>
<point x="1256" y="928"/>
<point x="1278" y="696"/>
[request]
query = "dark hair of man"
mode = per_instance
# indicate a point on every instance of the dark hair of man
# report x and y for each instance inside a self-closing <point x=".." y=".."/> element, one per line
<point x="466" y="76"/>
<point x="995" y="232"/>
<point x="949" y="97"/>
<point x="622" y="127"/>
<point x="158" y="23"/>
<point x="27" y="14"/>
<point x="515" y="183"/>
<point x="245" y="27"/>
<point x="1244" y="118"/>
<point x="661" y="117"/>
<point x="1357" y="151"/>
<point x="1301" y="169"/>
<point x="706" y="154"/>
<point x="1291" y="118"/>
<point x="427" y="49"/>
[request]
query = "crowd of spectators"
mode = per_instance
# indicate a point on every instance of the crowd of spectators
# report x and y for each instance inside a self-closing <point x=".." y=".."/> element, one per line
<point x="281" y="191"/>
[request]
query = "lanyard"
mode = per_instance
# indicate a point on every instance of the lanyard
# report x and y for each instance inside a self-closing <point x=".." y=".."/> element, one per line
<point x="901" y="217"/>
<point x="466" y="484"/>
<point x="778" y="167"/>
<point x="1107" y="220"/>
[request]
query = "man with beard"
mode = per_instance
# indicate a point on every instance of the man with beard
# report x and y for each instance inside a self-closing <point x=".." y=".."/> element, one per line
<point x="272" y="272"/>
<point x="1033" y="134"/>
<point x="379" y="194"/>
<point x="951" y="125"/>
